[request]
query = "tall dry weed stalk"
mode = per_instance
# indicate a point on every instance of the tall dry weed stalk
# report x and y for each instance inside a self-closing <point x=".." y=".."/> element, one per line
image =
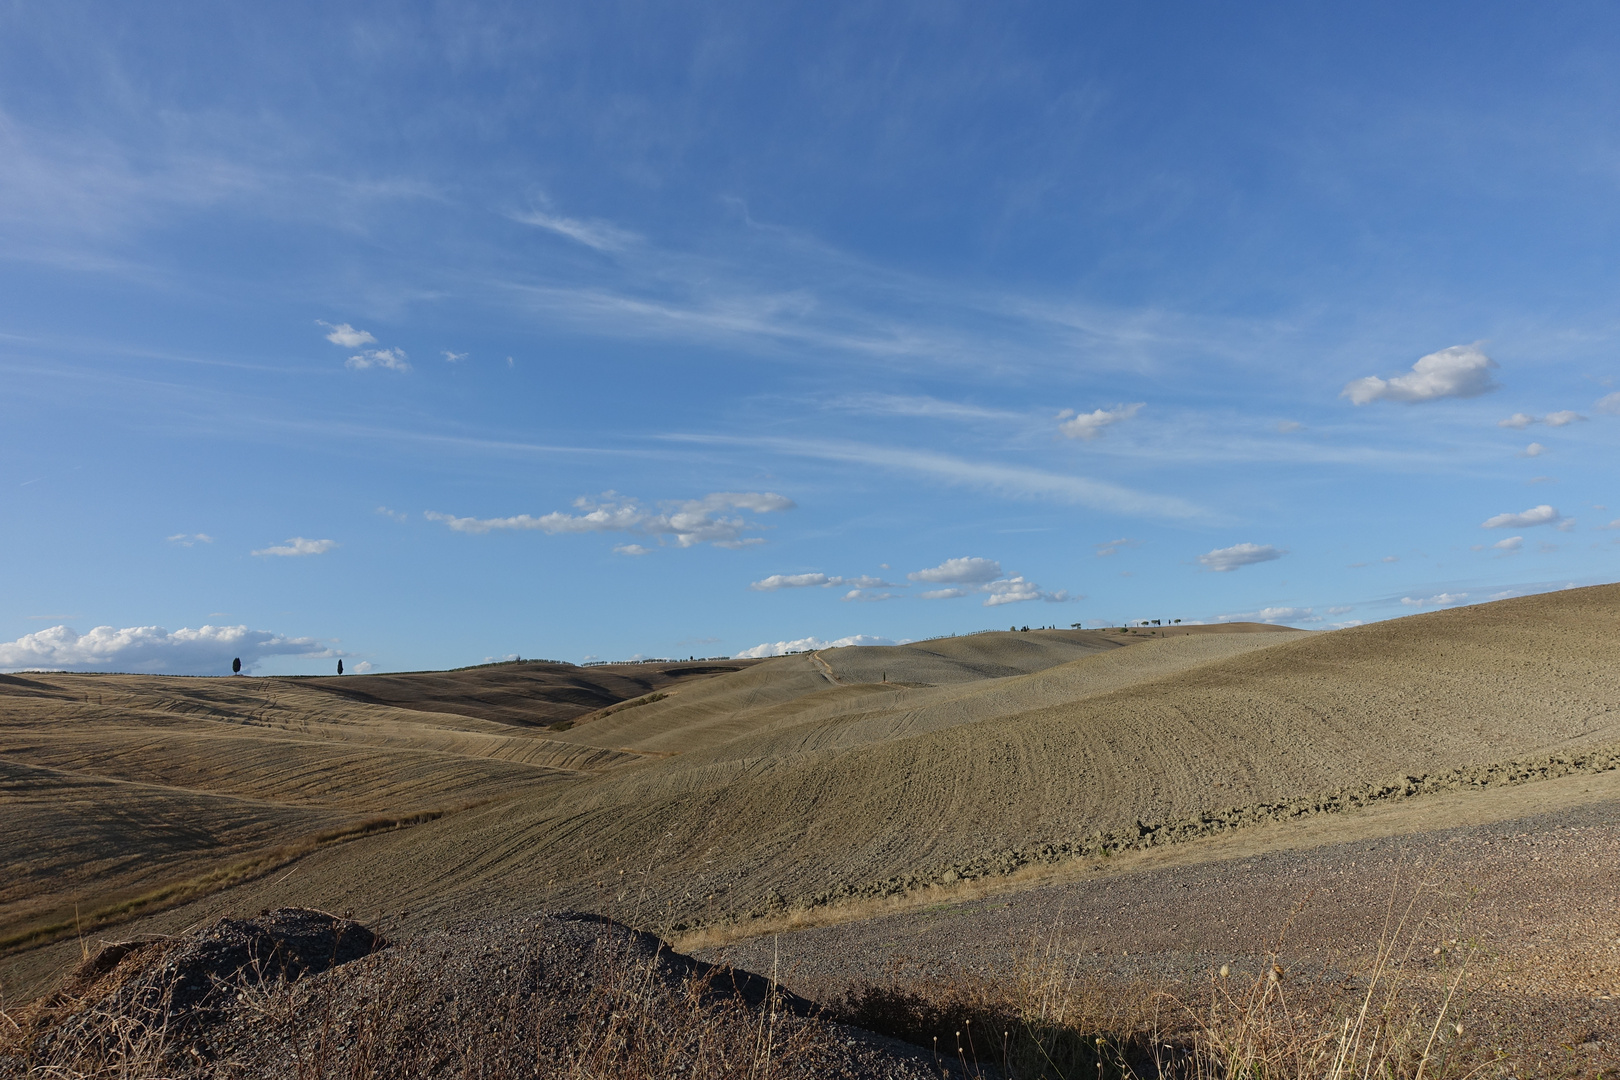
<point x="1394" y="1030"/>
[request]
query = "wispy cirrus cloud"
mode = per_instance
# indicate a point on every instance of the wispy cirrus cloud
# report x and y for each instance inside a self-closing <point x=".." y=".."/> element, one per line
<point x="684" y="522"/>
<point x="190" y="539"/>
<point x="1013" y="481"/>
<point x="599" y="235"/>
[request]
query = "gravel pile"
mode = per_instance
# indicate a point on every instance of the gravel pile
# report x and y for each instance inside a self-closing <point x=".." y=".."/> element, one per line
<point x="300" y="993"/>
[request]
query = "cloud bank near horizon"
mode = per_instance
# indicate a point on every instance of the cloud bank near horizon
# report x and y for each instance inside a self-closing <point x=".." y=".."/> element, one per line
<point x="152" y="650"/>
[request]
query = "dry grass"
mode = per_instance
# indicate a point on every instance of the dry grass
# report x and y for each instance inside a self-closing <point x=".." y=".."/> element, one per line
<point x="1400" y="1018"/>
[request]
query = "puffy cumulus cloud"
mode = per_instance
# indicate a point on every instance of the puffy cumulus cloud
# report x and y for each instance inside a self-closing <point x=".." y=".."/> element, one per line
<point x="1090" y="425"/>
<point x="1561" y="418"/>
<point x="963" y="571"/>
<point x="1462" y="371"/>
<point x="1518" y="421"/>
<point x="790" y="581"/>
<point x="345" y="335"/>
<point x="944" y="594"/>
<point x="1535" y="449"/>
<point x="685" y="523"/>
<point x="392" y="359"/>
<point x="1445" y="599"/>
<point x="868" y="596"/>
<point x="970" y="575"/>
<point x="1536" y="515"/>
<point x="1609" y="403"/>
<point x="1224" y="560"/>
<point x="811" y="581"/>
<point x="1512" y="543"/>
<point x="1016" y="590"/>
<point x="298" y="545"/>
<point x="809" y="644"/>
<point x="190" y="539"/>
<point x="207" y="650"/>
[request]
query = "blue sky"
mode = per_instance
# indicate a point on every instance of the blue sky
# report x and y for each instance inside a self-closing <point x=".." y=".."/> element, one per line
<point x="426" y="334"/>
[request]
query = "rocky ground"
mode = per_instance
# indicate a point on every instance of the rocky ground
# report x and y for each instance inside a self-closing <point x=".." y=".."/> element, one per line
<point x="299" y="993"/>
<point x="1532" y="904"/>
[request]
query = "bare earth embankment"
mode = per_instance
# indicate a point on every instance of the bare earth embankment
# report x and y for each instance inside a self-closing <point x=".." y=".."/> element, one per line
<point x="1181" y="789"/>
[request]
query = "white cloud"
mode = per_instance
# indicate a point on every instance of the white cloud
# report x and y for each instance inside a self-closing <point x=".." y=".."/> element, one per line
<point x="207" y="650"/>
<point x="790" y="581"/>
<point x="959" y="571"/>
<point x="975" y="575"/>
<point x="632" y="549"/>
<point x="781" y="648"/>
<point x="1461" y="371"/>
<point x="1012" y="481"/>
<point x="297" y="545"/>
<point x="593" y="234"/>
<point x="1445" y="599"/>
<point x="1561" y="418"/>
<point x="347" y="336"/>
<point x="1274" y="615"/>
<point x="1512" y="543"/>
<point x="392" y="359"/>
<point x="1535" y="449"/>
<point x="1609" y="403"/>
<point x="1090" y="425"/>
<point x="1112" y="546"/>
<point x="689" y="522"/>
<point x="188" y="539"/>
<point x="1223" y="560"/>
<point x="362" y="667"/>
<point x="455" y="357"/>
<point x="866" y="596"/>
<point x="1288" y="427"/>
<point x="1390" y="558"/>
<point x="919" y="405"/>
<point x="810" y="581"/>
<point x="1536" y="515"/>
<point x="1566" y="525"/>
<point x="393" y="515"/>
<point x="1518" y="421"/>
<point x="1341" y="610"/>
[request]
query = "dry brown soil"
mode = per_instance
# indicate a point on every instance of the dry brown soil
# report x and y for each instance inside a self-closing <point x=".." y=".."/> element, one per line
<point x="808" y="786"/>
